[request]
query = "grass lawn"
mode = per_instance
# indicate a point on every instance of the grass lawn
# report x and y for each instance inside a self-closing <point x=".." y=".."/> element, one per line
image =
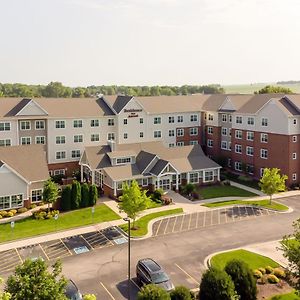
<point x="30" y="227"/>
<point x="142" y="223"/>
<point x="154" y="204"/>
<point x="261" y="203"/>
<point x="209" y="192"/>
<point x="290" y="296"/>
<point x="254" y="260"/>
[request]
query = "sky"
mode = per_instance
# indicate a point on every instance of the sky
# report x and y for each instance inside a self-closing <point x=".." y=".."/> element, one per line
<point x="149" y="42"/>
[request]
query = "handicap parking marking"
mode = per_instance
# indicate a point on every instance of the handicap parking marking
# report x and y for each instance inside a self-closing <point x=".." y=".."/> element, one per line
<point x="80" y="250"/>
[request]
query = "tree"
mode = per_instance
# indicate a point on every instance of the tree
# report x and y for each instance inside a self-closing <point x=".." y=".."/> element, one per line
<point x="189" y="189"/>
<point x="32" y="280"/>
<point x="243" y="279"/>
<point x="93" y="195"/>
<point x="76" y="195"/>
<point x="181" y="293"/>
<point x="290" y="245"/>
<point x="216" y="285"/>
<point x="89" y="297"/>
<point x="153" y="292"/>
<point x="85" y="195"/>
<point x="4" y="295"/>
<point x="272" y="182"/>
<point x="50" y="192"/>
<point x="270" y="89"/>
<point x="133" y="200"/>
<point x="66" y="198"/>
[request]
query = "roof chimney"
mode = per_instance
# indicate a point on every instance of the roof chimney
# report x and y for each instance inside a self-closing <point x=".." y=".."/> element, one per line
<point x="112" y="145"/>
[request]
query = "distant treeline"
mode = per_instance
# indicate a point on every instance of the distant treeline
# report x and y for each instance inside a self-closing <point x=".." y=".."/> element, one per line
<point x="288" y="82"/>
<point x="57" y="90"/>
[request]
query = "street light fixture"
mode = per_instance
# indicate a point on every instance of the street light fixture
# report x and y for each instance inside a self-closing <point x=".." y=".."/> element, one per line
<point x="128" y="282"/>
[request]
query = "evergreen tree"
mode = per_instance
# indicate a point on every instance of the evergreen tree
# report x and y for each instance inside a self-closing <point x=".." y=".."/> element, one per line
<point x="93" y="195"/>
<point x="66" y="198"/>
<point x="76" y="195"/>
<point x="85" y="195"/>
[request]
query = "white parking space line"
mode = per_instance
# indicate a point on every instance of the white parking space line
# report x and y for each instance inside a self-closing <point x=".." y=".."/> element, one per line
<point x="167" y="225"/>
<point x="204" y="219"/>
<point x="135" y="284"/>
<point x="174" y="224"/>
<point x="87" y="242"/>
<point x="44" y="252"/>
<point x="157" y="230"/>
<point x="190" y="221"/>
<point x="219" y="215"/>
<point x="66" y="246"/>
<point x="19" y="255"/>
<point x="108" y="292"/>
<point x="197" y="219"/>
<point x="182" y="223"/>
<point x="187" y="274"/>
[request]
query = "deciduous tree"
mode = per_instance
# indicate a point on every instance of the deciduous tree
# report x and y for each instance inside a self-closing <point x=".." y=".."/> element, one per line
<point x="50" y="192"/>
<point x="272" y="182"/>
<point x="181" y="293"/>
<point x="270" y="89"/>
<point x="153" y="292"/>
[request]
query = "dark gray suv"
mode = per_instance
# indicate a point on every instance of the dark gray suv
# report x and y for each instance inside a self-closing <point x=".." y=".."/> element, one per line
<point x="150" y="272"/>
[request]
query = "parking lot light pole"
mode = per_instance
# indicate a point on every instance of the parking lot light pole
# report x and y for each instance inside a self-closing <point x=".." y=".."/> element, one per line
<point x="128" y="282"/>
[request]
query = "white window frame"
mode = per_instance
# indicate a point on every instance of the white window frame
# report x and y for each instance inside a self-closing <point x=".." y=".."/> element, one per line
<point x="171" y="145"/>
<point x="180" y="119"/>
<point x="238" y="134"/>
<point x="59" y="138"/>
<point x="76" y="138"/>
<point x="294" y="176"/>
<point x="238" y="166"/>
<point x="249" y="151"/>
<point x="125" y="135"/>
<point x="224" y="131"/>
<point x="171" y="119"/>
<point x="224" y="117"/>
<point x="264" y="153"/>
<point x="78" y="123"/>
<point x="179" y="132"/>
<point x="224" y="145"/>
<point x="5" y="142"/>
<point x="59" y="153"/>
<point x="210" y="117"/>
<point x="210" y="130"/>
<point x="156" y="120"/>
<point x="5" y="126"/>
<point x="28" y="138"/>
<point x="39" y="122"/>
<point x="193" y="143"/>
<point x="238" y="148"/>
<point x="250" y="135"/>
<point x="238" y="119"/>
<point x="171" y="132"/>
<point x="157" y="134"/>
<point x="95" y="137"/>
<point x="193" y="131"/>
<point x="264" y="122"/>
<point x="95" y="123"/>
<point x="264" y="138"/>
<point x="41" y="195"/>
<point x="111" y="136"/>
<point x="125" y="121"/>
<point x="210" y="143"/>
<point x="208" y="176"/>
<point x="295" y="121"/>
<point x="294" y="155"/>
<point x="60" y="124"/>
<point x="40" y="137"/>
<point x="194" y="118"/>
<point x="251" y="121"/>
<point x="230" y="118"/>
<point x="294" y="139"/>
<point x="180" y="144"/>
<point x="110" y="122"/>
<point x="77" y="152"/>
<point x="25" y="122"/>
<point x="194" y="177"/>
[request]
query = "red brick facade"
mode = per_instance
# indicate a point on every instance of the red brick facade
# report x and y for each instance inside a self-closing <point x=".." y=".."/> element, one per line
<point x="187" y="138"/>
<point x="69" y="167"/>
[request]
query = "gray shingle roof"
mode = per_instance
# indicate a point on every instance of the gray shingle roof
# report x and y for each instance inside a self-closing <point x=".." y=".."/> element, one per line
<point x="158" y="167"/>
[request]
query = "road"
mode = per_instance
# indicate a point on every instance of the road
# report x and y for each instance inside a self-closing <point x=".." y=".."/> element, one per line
<point x="104" y="271"/>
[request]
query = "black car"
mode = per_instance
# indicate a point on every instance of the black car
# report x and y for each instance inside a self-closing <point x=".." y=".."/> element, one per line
<point x="148" y="271"/>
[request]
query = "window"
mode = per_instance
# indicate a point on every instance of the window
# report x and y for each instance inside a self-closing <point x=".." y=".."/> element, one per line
<point x="59" y="172"/>
<point x="123" y="160"/>
<point x="193" y="142"/>
<point x="250" y="135"/>
<point x="77" y="123"/>
<point x="95" y="137"/>
<point x="250" y="169"/>
<point x="4" y="126"/>
<point x="294" y="121"/>
<point x="125" y="121"/>
<point x="294" y="138"/>
<point x="194" y="177"/>
<point x="250" y="121"/>
<point x="264" y="153"/>
<point x="180" y="132"/>
<point x="110" y="136"/>
<point x="194" y="118"/>
<point x="180" y="119"/>
<point x="40" y="140"/>
<point x="208" y="176"/>
<point x="75" y="153"/>
<point x="25" y="140"/>
<point x="16" y="201"/>
<point x="210" y="130"/>
<point x="78" y="138"/>
<point x="36" y="195"/>
<point x="210" y="117"/>
<point x="193" y="131"/>
<point x="238" y="166"/>
<point x="171" y="145"/>
<point x="230" y="118"/>
<point x="249" y="151"/>
<point x="4" y="202"/>
<point x="157" y="134"/>
<point x="261" y="171"/>
<point x="294" y="155"/>
<point x="60" y="155"/>
<point x="229" y="133"/>
<point x="39" y="125"/>
<point x="294" y="176"/>
<point x="95" y="123"/>
<point x="5" y="143"/>
<point x="110" y="122"/>
<point x="224" y="145"/>
<point x="60" y="139"/>
<point x="25" y="125"/>
<point x="229" y="145"/>
<point x="238" y="148"/>
<point x="157" y="120"/>
<point x="171" y="132"/>
<point x="238" y="134"/>
<point x="141" y="121"/>
<point x="229" y="162"/>
<point x="224" y="131"/>
<point x="125" y="136"/>
<point x="60" y="124"/>
<point x="224" y="118"/>
<point x="144" y="181"/>
<point x="141" y="134"/>
<point x="210" y="143"/>
<point x="180" y="144"/>
<point x="238" y="120"/>
<point x="264" y="122"/>
<point x="171" y="119"/>
<point x="264" y="137"/>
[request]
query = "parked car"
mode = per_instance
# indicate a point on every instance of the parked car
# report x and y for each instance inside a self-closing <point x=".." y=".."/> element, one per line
<point x="72" y="292"/>
<point x="148" y="271"/>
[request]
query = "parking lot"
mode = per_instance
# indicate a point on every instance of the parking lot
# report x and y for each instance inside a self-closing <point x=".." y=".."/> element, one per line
<point x="207" y="218"/>
<point x="60" y="248"/>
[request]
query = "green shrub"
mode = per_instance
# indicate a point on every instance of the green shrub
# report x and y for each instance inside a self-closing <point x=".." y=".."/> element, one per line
<point x="280" y="273"/>
<point x="85" y="195"/>
<point x="243" y="279"/>
<point x="3" y="213"/>
<point x="153" y="292"/>
<point x="76" y="195"/>
<point x="216" y="284"/>
<point x="269" y="270"/>
<point x="262" y="270"/>
<point x="66" y="198"/>
<point x="43" y="214"/>
<point x="257" y="274"/>
<point x="263" y="280"/>
<point x="89" y="297"/>
<point x="22" y="210"/>
<point x="13" y="211"/>
<point x="32" y="205"/>
<point x="157" y="195"/>
<point x="181" y="293"/>
<point x="189" y="189"/>
<point x="9" y="214"/>
<point x="272" y="278"/>
<point x="93" y="195"/>
<point x="1" y="217"/>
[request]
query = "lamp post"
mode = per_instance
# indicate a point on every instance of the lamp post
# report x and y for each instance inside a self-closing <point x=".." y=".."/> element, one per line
<point x="128" y="282"/>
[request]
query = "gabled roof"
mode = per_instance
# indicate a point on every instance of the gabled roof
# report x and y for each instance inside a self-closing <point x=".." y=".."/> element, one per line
<point x="159" y="166"/>
<point x="143" y="160"/>
<point x="27" y="160"/>
<point x="15" y="110"/>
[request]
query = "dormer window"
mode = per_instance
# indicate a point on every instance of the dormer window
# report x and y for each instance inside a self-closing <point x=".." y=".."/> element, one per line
<point x="123" y="160"/>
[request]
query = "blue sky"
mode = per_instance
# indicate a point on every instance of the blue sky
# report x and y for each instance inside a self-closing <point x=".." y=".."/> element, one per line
<point x="149" y="42"/>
